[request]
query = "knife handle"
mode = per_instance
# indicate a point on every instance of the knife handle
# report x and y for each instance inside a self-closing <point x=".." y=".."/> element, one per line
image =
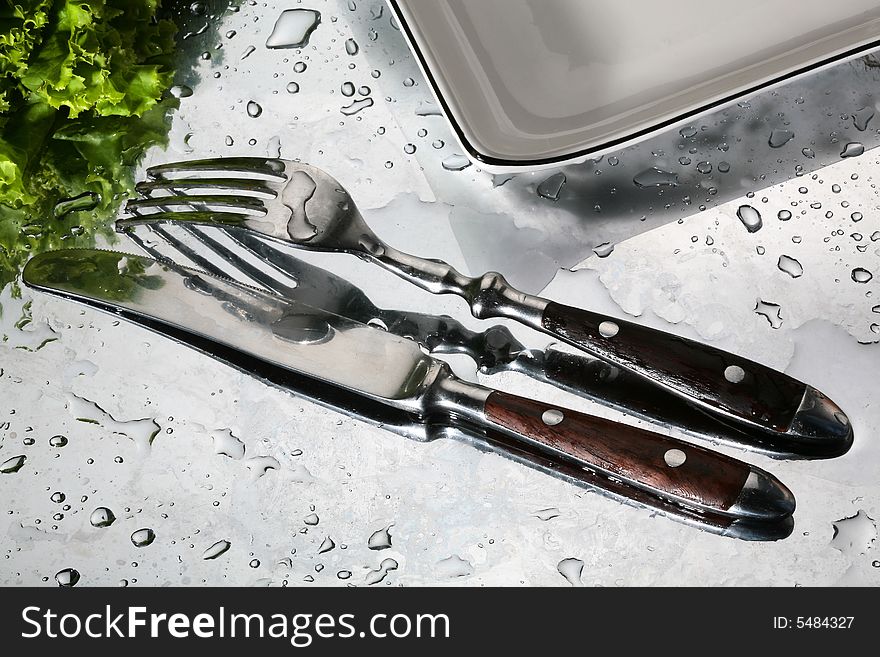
<point x="665" y="467"/>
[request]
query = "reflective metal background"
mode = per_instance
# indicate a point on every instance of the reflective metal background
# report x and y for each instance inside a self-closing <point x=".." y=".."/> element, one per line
<point x="233" y="459"/>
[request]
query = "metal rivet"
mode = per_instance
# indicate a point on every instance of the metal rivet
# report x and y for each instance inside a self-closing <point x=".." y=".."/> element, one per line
<point x="552" y="417"/>
<point x="608" y="329"/>
<point x="674" y="458"/>
<point x="734" y="374"/>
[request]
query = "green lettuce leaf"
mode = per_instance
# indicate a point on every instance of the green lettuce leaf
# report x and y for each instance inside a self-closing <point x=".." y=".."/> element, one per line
<point x="82" y="95"/>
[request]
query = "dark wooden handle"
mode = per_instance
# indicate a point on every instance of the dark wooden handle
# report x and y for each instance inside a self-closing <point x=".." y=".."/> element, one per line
<point x="663" y="465"/>
<point x="715" y="379"/>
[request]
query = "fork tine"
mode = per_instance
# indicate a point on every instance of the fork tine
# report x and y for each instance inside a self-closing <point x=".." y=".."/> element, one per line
<point x="198" y="202"/>
<point x="230" y="256"/>
<point x="176" y="187"/>
<point x="228" y="270"/>
<point x="195" y="217"/>
<point x="270" y="167"/>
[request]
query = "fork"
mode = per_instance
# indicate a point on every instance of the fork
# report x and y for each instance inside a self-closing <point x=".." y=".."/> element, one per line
<point x="300" y="205"/>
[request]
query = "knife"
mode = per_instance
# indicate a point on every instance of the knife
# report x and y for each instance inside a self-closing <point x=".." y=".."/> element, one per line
<point x="821" y="433"/>
<point x="366" y="366"/>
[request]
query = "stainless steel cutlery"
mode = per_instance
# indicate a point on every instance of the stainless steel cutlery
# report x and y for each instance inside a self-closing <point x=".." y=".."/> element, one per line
<point x="246" y="256"/>
<point x="260" y="331"/>
<point x="249" y="301"/>
<point x="302" y="206"/>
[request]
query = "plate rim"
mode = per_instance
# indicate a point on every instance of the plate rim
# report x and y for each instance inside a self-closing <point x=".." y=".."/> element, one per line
<point x="630" y="138"/>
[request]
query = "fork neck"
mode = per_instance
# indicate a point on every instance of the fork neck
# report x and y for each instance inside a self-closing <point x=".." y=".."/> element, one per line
<point x="489" y="296"/>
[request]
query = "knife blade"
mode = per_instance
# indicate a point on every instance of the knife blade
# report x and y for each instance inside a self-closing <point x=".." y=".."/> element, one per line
<point x="381" y="368"/>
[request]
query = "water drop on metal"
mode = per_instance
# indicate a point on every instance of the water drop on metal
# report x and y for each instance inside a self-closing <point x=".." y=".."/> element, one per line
<point x="790" y="266"/>
<point x="750" y="218"/>
<point x="551" y="188"/>
<point x="293" y="28"/>
<point x="102" y="517"/>
<point x="143" y="537"/>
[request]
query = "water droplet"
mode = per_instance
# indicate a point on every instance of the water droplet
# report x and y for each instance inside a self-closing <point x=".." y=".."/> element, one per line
<point x="376" y="576"/>
<point x="438" y="144"/>
<point x="311" y="519"/>
<point x="102" y="517"/>
<point x="572" y="570"/>
<point x="790" y="266"/>
<point x="218" y="548"/>
<point x="254" y="563"/>
<point x="856" y="216"/>
<point x="67" y="577"/>
<point x="552" y="416"/>
<point x="724" y="167"/>
<point x="143" y="537"/>
<point x="181" y="91"/>
<point x="82" y="202"/>
<point x="855" y="534"/>
<point x="704" y="168"/>
<point x="770" y="311"/>
<point x="344" y="574"/>
<point x="784" y="215"/>
<point x="453" y="566"/>
<point x="675" y="458"/>
<point x="58" y="497"/>
<point x="852" y="149"/>
<point x="655" y="177"/>
<point x="808" y="153"/>
<point x="58" y="441"/>
<point x="750" y="218"/>
<point x="293" y="28"/>
<point x="604" y="250"/>
<point x="356" y="106"/>
<point x="347" y="89"/>
<point x="862" y="117"/>
<point x="227" y="444"/>
<point x="547" y="514"/>
<point x="552" y="186"/>
<point x="779" y="138"/>
<point x="688" y="132"/>
<point x="260" y="465"/>
<point x="409" y="149"/>
<point x="292" y="88"/>
<point x="861" y="275"/>
<point x="253" y="109"/>
<point x="456" y="162"/>
<point x="351" y="47"/>
<point x="613" y="161"/>
<point x="608" y="329"/>
<point x="326" y="546"/>
<point x="380" y="539"/>
<point x="734" y="374"/>
<point x="12" y="465"/>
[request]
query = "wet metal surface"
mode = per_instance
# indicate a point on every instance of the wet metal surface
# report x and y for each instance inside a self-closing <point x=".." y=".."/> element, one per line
<point x="211" y="476"/>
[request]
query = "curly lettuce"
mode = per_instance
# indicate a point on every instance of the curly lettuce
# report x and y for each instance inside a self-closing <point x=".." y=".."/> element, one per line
<point x="82" y="95"/>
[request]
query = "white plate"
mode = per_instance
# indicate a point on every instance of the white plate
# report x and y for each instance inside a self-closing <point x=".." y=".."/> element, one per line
<point x="535" y="83"/>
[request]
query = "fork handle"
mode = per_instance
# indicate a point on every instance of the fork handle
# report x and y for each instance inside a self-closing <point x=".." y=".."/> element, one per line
<point x="715" y="379"/>
<point x="740" y="391"/>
